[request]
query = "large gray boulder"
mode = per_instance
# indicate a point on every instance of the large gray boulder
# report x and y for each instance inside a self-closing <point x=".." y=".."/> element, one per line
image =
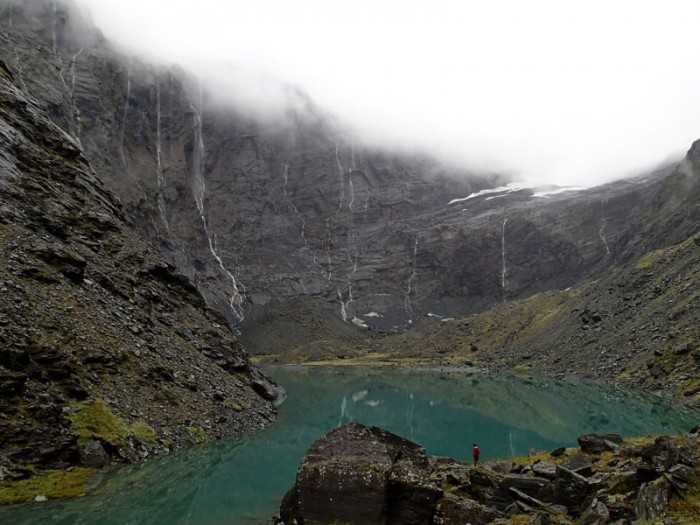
<point x="363" y="475"/>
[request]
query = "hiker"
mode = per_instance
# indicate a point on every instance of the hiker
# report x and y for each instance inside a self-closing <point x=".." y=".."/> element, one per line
<point x="475" y="454"/>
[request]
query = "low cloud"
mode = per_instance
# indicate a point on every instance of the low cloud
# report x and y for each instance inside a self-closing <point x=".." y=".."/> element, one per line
<point x="544" y="90"/>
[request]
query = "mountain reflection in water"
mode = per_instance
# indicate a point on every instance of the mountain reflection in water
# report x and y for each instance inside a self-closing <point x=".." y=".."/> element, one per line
<point x="242" y="482"/>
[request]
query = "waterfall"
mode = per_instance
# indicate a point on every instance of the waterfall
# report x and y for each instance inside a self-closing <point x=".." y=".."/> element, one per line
<point x="344" y="305"/>
<point x="328" y="250"/>
<point x="602" y="237"/>
<point x="341" y="178"/>
<point x="409" y="285"/>
<point x="159" y="161"/>
<point x="124" y="115"/>
<point x="602" y="227"/>
<point x="343" y="311"/>
<point x="302" y="226"/>
<point x="199" y="190"/>
<point x="352" y="191"/>
<point x="285" y="177"/>
<point x="503" y="258"/>
<point x="18" y="60"/>
<point x="77" y="123"/>
<point x="53" y="28"/>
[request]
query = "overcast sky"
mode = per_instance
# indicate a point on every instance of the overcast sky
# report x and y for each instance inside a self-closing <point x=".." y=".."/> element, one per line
<point x="561" y="91"/>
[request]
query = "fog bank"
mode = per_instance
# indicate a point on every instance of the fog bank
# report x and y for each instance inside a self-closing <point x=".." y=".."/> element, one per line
<point x="574" y="94"/>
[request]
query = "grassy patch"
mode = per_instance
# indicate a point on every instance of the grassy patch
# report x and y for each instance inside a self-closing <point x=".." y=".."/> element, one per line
<point x="53" y="484"/>
<point x="144" y="433"/>
<point x="648" y="260"/>
<point x="233" y="405"/>
<point x="94" y="419"/>
<point x="198" y="432"/>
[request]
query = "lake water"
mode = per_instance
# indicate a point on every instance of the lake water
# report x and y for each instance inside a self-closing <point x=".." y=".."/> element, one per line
<point x="242" y="482"/>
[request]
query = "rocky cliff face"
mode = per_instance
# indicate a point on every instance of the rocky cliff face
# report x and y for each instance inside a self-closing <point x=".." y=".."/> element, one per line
<point x="106" y="351"/>
<point x="259" y="214"/>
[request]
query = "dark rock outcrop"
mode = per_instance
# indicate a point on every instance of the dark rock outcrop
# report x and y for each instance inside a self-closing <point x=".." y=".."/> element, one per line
<point x="102" y="342"/>
<point x="259" y="215"/>
<point x="351" y="476"/>
<point x="358" y="474"/>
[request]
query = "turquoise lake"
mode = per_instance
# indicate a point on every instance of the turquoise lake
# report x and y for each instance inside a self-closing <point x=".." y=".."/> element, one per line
<point x="445" y="411"/>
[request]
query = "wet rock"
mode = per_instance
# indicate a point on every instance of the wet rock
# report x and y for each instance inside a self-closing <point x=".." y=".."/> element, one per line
<point x="597" y="443"/>
<point x="568" y="489"/>
<point x="453" y="510"/>
<point x="652" y="500"/>
<point x="545" y="469"/>
<point x="579" y="463"/>
<point x="358" y="474"/>
<point x="680" y="477"/>
<point x="594" y="513"/>
<point x="93" y="455"/>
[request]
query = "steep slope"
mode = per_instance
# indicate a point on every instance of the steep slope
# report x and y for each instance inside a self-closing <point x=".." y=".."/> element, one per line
<point x="637" y="325"/>
<point x="267" y="214"/>
<point x="106" y="352"/>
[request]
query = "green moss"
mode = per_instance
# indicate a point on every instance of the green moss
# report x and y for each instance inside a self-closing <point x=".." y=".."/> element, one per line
<point x="53" y="484"/>
<point x="166" y="395"/>
<point x="94" y="419"/>
<point x="198" y="432"/>
<point x="233" y="405"/>
<point x="144" y="433"/>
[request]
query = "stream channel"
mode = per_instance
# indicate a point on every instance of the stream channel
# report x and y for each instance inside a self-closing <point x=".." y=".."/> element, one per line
<point x="242" y="482"/>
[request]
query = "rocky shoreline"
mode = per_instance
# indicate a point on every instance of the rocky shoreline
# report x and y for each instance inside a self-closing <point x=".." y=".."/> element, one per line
<point x="365" y="475"/>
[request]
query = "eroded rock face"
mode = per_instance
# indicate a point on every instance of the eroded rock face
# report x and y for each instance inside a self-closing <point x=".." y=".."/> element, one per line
<point x="257" y="215"/>
<point x="365" y="475"/>
<point x="107" y="352"/>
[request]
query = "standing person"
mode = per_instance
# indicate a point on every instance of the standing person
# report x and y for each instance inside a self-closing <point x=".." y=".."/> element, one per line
<point x="475" y="453"/>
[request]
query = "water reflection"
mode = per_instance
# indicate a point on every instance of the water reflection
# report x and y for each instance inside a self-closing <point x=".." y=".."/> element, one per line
<point x="445" y="411"/>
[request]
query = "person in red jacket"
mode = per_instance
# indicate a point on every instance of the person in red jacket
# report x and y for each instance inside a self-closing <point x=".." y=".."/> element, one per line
<point x="475" y="454"/>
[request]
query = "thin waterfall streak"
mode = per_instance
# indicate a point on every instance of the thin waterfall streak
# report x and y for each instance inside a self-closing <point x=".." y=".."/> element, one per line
<point x="352" y="260"/>
<point x="328" y="250"/>
<point x="125" y="114"/>
<point x="503" y="259"/>
<point x="341" y="178"/>
<point x="77" y="123"/>
<point x="302" y="221"/>
<point x="53" y="27"/>
<point x="18" y="67"/>
<point x="409" y="285"/>
<point x="199" y="190"/>
<point x="285" y="177"/>
<point x="352" y="191"/>
<point x="343" y="304"/>
<point x="159" y="161"/>
<point x="602" y="236"/>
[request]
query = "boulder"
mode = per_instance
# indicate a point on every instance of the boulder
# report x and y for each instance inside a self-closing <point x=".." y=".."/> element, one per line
<point x="93" y="455"/>
<point x="580" y="464"/>
<point x="451" y="509"/>
<point x="597" y="443"/>
<point x="545" y="469"/>
<point x="594" y="513"/>
<point x="653" y="500"/>
<point x="360" y="474"/>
